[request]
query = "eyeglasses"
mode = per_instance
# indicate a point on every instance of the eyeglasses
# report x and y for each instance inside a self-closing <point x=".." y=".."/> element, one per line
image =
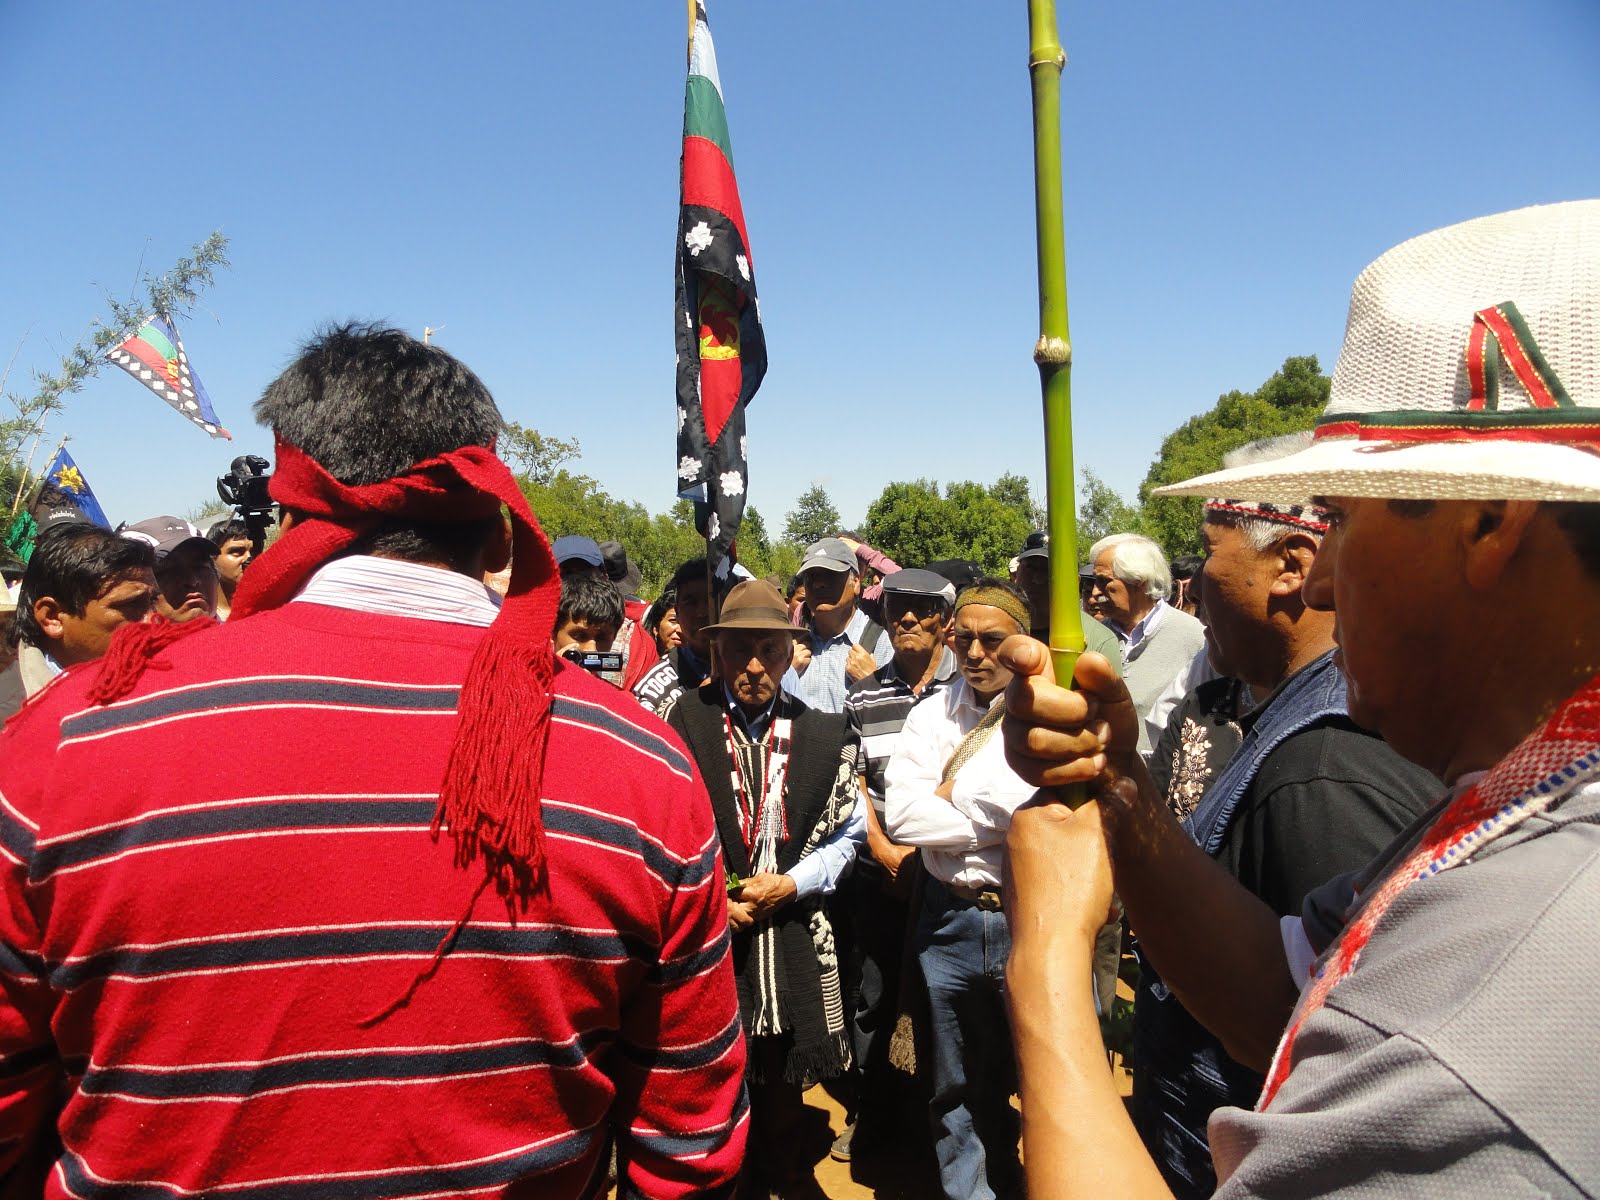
<point x="990" y="642"/>
<point x="923" y="606"/>
<point x="1100" y="583"/>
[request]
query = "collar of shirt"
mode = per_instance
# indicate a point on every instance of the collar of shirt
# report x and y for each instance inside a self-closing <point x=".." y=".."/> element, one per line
<point x="850" y="632"/>
<point x="1142" y="628"/>
<point x="391" y="587"/>
<point x="890" y="672"/>
<point x="755" y="726"/>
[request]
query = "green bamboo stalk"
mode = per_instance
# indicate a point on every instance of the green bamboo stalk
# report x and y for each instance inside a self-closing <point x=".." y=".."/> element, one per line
<point x="1053" y="352"/>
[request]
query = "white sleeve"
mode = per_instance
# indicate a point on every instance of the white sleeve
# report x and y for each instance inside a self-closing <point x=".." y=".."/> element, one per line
<point x="913" y="814"/>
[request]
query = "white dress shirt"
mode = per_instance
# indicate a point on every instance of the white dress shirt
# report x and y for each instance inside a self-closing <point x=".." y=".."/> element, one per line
<point x="962" y="838"/>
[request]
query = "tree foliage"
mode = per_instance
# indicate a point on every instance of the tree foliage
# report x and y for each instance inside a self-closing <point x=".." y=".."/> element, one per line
<point x="173" y="293"/>
<point x="1288" y="402"/>
<point x="534" y="455"/>
<point x="569" y="503"/>
<point x="914" y="523"/>
<point x="1102" y="512"/>
<point x="812" y="517"/>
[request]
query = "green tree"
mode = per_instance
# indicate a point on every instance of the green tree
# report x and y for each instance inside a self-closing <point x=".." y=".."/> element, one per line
<point x="1288" y="402"/>
<point x="914" y="523"/>
<point x="908" y="523"/>
<point x="534" y="455"/>
<point x="1102" y="512"/>
<point x="812" y="517"/>
<point x="1014" y="491"/>
<point x="173" y="293"/>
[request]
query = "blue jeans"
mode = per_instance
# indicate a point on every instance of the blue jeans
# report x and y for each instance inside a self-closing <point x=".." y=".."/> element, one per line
<point x="962" y="950"/>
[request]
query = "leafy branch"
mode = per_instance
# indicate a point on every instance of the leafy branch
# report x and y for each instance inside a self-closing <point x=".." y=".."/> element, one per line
<point x="172" y="292"/>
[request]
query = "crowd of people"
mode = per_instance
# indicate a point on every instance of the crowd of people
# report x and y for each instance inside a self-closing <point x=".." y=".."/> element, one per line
<point x="528" y="885"/>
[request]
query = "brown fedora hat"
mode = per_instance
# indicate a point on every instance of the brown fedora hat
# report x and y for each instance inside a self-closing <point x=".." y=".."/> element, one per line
<point x="755" y="604"/>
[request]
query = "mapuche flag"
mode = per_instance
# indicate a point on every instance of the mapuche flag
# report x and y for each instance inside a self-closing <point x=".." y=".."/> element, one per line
<point x="156" y="358"/>
<point x="722" y="353"/>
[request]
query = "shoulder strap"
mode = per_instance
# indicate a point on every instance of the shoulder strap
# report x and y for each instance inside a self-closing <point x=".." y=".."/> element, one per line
<point x="870" y="636"/>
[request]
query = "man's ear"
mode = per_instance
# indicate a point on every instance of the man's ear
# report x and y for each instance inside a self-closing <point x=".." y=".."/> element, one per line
<point x="1294" y="555"/>
<point x="1490" y="532"/>
<point x="497" y="550"/>
<point x="47" y="615"/>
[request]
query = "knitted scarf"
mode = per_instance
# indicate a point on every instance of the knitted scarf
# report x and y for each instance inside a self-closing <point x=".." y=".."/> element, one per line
<point x="489" y="797"/>
<point x="1543" y="769"/>
<point x="787" y="968"/>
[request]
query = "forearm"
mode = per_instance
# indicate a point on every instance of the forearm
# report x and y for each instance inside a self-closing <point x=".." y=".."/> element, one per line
<point x="1217" y="946"/>
<point x="1076" y="1136"/>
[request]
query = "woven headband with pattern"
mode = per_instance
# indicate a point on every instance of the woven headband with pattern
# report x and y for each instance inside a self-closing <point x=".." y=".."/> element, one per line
<point x="996" y="598"/>
<point x="1310" y="517"/>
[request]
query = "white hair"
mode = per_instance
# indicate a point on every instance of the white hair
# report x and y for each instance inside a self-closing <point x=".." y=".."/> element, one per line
<point x="1260" y="533"/>
<point x="1136" y="560"/>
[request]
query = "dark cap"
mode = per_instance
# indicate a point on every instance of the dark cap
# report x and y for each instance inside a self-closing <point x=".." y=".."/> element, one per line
<point x="1035" y="545"/>
<point x="579" y="547"/>
<point x="915" y="582"/>
<point x="167" y="535"/>
<point x="959" y="571"/>
<point x="755" y="604"/>
<point x="624" y="572"/>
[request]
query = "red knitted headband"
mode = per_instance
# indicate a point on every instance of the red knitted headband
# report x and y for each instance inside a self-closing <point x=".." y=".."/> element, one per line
<point x="490" y="795"/>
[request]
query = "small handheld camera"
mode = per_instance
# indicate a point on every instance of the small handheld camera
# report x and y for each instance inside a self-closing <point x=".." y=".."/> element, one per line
<point x="594" y="661"/>
<point x="246" y="489"/>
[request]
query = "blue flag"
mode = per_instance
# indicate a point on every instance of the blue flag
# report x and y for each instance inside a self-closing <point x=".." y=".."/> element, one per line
<point x="62" y="488"/>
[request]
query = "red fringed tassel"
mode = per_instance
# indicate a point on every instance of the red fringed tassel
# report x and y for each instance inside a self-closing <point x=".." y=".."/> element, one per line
<point x="492" y="789"/>
<point x="132" y="649"/>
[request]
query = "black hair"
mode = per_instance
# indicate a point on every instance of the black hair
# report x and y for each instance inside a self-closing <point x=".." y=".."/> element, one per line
<point x="72" y="563"/>
<point x="1186" y="566"/>
<point x="593" y="598"/>
<point x="226" y="530"/>
<point x="1581" y="523"/>
<point x="653" y="614"/>
<point x="367" y="402"/>
<point x="690" y="571"/>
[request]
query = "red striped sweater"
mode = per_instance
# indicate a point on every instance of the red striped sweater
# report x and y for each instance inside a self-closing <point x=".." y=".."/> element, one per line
<point x="211" y="886"/>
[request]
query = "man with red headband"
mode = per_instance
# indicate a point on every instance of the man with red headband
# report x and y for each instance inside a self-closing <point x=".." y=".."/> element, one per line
<point x="420" y="947"/>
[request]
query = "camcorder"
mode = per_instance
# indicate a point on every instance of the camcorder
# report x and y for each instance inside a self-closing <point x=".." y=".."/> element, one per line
<point x="245" y="489"/>
<point x="595" y="661"/>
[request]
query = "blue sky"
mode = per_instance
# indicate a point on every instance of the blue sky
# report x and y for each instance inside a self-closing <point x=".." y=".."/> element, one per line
<point x="509" y="171"/>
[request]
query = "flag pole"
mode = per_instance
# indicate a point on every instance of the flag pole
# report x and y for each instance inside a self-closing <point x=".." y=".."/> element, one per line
<point x="1053" y="351"/>
<point x="711" y="580"/>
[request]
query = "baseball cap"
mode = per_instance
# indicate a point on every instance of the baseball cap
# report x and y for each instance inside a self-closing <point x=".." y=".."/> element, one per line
<point x="166" y="535"/>
<point x="579" y="547"/>
<point x="830" y="554"/>
<point x="1036" y="545"/>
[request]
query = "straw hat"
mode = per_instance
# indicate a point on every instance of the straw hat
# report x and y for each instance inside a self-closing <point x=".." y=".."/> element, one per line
<point x="1470" y="371"/>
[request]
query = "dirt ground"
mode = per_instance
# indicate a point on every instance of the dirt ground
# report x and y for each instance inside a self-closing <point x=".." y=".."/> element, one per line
<point x="896" y="1171"/>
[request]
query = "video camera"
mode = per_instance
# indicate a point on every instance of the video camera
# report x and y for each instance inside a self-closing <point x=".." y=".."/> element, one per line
<point x="245" y="489"/>
<point x="594" y="660"/>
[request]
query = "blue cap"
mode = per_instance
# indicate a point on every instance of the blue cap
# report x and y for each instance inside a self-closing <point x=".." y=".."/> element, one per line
<point x="574" y="546"/>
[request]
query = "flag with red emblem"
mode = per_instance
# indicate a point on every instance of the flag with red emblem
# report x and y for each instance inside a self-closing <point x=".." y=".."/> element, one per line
<point x="722" y="353"/>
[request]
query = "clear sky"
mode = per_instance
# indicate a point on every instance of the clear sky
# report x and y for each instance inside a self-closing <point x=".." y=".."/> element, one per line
<point x="509" y="171"/>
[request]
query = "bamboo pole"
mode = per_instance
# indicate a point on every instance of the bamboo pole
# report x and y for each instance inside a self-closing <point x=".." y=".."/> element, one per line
<point x="1053" y="352"/>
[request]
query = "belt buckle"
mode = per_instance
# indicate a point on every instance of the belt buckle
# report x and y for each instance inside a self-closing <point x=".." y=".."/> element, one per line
<point x="988" y="900"/>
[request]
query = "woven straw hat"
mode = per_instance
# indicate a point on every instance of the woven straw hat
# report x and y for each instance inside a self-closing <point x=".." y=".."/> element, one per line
<point x="1470" y="371"/>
